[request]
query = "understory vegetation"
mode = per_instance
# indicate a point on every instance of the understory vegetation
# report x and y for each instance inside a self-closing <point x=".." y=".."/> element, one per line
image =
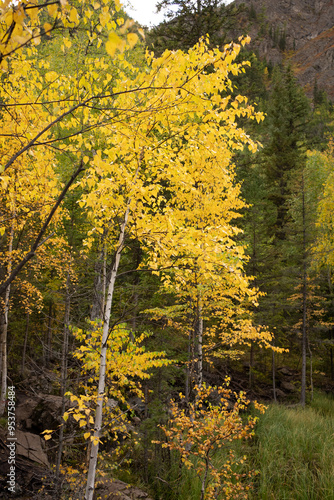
<point x="290" y="457"/>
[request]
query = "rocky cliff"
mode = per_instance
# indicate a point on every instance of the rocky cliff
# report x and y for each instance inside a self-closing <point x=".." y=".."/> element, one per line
<point x="300" y="31"/>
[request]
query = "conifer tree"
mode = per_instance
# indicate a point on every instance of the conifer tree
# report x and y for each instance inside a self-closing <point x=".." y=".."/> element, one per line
<point x="188" y="20"/>
<point x="285" y="151"/>
<point x="277" y="253"/>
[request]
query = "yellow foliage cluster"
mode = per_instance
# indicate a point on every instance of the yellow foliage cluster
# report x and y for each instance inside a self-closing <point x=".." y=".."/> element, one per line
<point x="127" y="364"/>
<point x="156" y="145"/>
<point x="21" y="24"/>
<point x="323" y="252"/>
<point x="198" y="430"/>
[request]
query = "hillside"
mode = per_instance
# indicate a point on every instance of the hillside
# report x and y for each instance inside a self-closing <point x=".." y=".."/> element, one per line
<point x="301" y="31"/>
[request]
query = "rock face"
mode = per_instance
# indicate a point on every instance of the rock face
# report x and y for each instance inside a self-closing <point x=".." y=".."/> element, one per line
<point x="299" y="31"/>
<point x="31" y="466"/>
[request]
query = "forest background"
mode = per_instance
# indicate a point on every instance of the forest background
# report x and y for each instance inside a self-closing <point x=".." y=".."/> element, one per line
<point x="166" y="254"/>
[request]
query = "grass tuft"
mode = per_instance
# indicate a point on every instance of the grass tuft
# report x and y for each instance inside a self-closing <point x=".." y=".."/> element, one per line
<point x="294" y="451"/>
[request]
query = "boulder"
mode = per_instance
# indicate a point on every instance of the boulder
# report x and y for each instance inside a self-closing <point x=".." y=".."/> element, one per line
<point x="114" y="489"/>
<point x="279" y="393"/>
<point x="284" y="370"/>
<point x="40" y="412"/>
<point x="288" y="386"/>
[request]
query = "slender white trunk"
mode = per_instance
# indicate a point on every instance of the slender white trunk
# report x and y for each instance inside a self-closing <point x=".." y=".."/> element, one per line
<point x="200" y="347"/>
<point x="104" y="280"/>
<point x="100" y="287"/>
<point x="102" y="372"/>
<point x="4" y="329"/>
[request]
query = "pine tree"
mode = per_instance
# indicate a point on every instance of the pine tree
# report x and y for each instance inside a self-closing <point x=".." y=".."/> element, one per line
<point x="285" y="151"/>
<point x="187" y="21"/>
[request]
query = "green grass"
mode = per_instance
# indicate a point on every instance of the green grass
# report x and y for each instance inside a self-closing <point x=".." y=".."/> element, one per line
<point x="294" y="452"/>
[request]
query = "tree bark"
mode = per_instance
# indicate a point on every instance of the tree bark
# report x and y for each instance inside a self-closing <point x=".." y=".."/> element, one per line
<point x="274" y="376"/>
<point x="311" y="371"/>
<point x="187" y="382"/>
<point x="251" y="365"/>
<point x="102" y="371"/>
<point x="200" y="348"/>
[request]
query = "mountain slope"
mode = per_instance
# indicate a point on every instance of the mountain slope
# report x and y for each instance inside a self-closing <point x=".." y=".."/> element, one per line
<point x="300" y="31"/>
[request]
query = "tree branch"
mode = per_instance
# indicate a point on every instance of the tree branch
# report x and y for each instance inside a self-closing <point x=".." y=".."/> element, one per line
<point x="38" y="241"/>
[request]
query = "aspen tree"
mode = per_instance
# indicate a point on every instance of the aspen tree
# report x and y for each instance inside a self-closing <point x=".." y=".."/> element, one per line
<point x="163" y="168"/>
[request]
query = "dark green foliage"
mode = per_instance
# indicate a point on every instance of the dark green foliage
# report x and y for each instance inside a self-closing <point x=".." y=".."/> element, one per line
<point x="284" y="153"/>
<point x="252" y="12"/>
<point x="188" y="21"/>
<point x="282" y="40"/>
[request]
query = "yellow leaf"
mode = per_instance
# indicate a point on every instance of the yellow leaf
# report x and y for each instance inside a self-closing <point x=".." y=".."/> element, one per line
<point x="67" y="42"/>
<point x="53" y="9"/>
<point x="47" y="437"/>
<point x="4" y="68"/>
<point x="141" y="32"/>
<point x="82" y="423"/>
<point x="74" y="16"/>
<point x="86" y="435"/>
<point x="47" y="28"/>
<point x="132" y="39"/>
<point x="128" y="23"/>
<point x="33" y="13"/>
<point x="113" y="43"/>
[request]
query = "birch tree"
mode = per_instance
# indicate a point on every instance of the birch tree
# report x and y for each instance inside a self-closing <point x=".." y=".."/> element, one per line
<point x="158" y="177"/>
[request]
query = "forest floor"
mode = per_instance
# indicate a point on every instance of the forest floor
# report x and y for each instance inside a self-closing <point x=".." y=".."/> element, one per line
<point x="38" y="409"/>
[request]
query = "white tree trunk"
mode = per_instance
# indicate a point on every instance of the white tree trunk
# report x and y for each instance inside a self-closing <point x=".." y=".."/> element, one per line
<point x="200" y="348"/>
<point x="102" y="372"/>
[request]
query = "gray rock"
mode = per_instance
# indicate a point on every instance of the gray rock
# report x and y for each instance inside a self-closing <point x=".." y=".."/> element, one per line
<point x="287" y="386"/>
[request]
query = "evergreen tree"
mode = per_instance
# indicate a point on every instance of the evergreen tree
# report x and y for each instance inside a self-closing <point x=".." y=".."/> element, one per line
<point x="188" y="20"/>
<point x="277" y="254"/>
<point x="285" y="152"/>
